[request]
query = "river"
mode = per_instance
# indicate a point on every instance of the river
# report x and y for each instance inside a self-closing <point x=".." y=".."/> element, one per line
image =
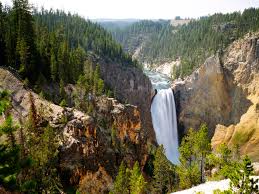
<point x="159" y="81"/>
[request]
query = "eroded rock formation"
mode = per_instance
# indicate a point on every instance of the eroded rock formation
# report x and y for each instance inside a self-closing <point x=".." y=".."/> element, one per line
<point x="224" y="93"/>
<point x="131" y="86"/>
<point x="91" y="147"/>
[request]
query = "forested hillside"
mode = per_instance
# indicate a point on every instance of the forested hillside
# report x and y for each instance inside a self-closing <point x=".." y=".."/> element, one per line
<point x="192" y="42"/>
<point x="52" y="57"/>
<point x="52" y="44"/>
<point x="137" y="34"/>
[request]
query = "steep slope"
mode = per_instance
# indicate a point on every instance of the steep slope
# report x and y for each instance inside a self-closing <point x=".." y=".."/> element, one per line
<point x="119" y="72"/>
<point x="190" y="43"/>
<point x="90" y="152"/>
<point x="137" y="35"/>
<point x="69" y="49"/>
<point x="224" y="92"/>
<point x="131" y="86"/>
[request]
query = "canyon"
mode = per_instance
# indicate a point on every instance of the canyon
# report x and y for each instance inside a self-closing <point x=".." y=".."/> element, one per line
<point x="89" y="154"/>
<point x="223" y="93"/>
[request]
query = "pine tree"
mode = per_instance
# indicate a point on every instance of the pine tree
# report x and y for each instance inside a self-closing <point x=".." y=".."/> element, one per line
<point x="53" y="65"/>
<point x="100" y="86"/>
<point x="42" y="148"/>
<point x="241" y="180"/>
<point x="190" y="152"/>
<point x="203" y="148"/>
<point x="2" y="36"/>
<point x="23" y="53"/>
<point x="136" y="182"/>
<point x="163" y="172"/>
<point x="25" y="49"/>
<point x="121" y="183"/>
<point x="63" y="59"/>
<point x="76" y="61"/>
<point x="9" y="152"/>
<point x="96" y="79"/>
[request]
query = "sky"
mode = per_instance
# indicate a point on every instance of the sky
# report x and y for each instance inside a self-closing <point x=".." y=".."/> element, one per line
<point x="144" y="9"/>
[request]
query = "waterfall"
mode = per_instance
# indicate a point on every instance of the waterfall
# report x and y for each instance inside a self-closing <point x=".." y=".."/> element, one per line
<point x="164" y="120"/>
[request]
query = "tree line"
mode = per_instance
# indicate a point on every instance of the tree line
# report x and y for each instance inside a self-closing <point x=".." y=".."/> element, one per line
<point x="192" y="43"/>
<point x="52" y="46"/>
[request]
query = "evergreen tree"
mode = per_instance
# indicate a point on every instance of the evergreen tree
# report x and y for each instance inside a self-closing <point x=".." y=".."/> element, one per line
<point x="77" y="59"/>
<point x="203" y="148"/>
<point x="129" y="181"/>
<point x="96" y="78"/>
<point x="2" y="36"/>
<point x="53" y="65"/>
<point x="9" y="152"/>
<point x="136" y="182"/>
<point x="192" y="43"/>
<point x="241" y="180"/>
<point x="194" y="148"/>
<point x="163" y="178"/>
<point x="63" y="58"/>
<point x="42" y="148"/>
<point x="121" y="183"/>
<point x="25" y="48"/>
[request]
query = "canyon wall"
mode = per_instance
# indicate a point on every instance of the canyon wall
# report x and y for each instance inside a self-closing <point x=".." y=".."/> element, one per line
<point x="132" y="86"/>
<point x="91" y="148"/>
<point x="224" y="93"/>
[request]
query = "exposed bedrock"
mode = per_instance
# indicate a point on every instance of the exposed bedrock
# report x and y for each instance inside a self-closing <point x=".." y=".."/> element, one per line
<point x="224" y="93"/>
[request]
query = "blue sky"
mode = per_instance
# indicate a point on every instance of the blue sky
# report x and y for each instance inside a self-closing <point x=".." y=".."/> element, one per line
<point x="144" y="9"/>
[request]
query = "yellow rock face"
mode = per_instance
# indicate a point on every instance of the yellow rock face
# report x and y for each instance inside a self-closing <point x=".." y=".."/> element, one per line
<point x="224" y="93"/>
<point x="242" y="55"/>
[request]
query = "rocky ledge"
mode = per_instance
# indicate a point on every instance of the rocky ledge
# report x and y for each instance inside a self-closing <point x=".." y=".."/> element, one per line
<point x="224" y="93"/>
<point x="91" y="147"/>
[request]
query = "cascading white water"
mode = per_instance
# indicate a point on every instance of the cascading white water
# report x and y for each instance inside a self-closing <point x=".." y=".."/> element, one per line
<point x="164" y="120"/>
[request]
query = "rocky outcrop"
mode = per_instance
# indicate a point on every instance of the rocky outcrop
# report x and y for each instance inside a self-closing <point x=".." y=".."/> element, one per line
<point x="132" y="86"/>
<point x="166" y="68"/>
<point x="224" y="93"/>
<point x="91" y="147"/>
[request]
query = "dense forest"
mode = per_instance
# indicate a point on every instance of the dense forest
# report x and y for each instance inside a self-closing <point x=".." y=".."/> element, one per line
<point x="137" y="34"/>
<point x="47" y="49"/>
<point x="192" y="42"/>
<point x="52" y="44"/>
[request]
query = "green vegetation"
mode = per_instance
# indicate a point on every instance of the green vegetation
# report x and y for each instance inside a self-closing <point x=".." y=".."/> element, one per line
<point x="164" y="173"/>
<point x="129" y="181"/>
<point x="196" y="158"/>
<point x="58" y="49"/>
<point x="137" y="34"/>
<point x="242" y="137"/>
<point x="41" y="147"/>
<point x="55" y="46"/>
<point x="192" y="42"/>
<point x="10" y="163"/>
<point x="194" y="148"/>
<point x="241" y="180"/>
<point x="31" y="166"/>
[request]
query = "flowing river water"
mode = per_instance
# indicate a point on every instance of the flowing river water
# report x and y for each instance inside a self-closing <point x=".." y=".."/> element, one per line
<point x="164" y="117"/>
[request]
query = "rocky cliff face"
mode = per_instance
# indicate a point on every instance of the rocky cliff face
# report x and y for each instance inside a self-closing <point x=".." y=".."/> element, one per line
<point x="131" y="86"/>
<point x="224" y="93"/>
<point x="91" y="147"/>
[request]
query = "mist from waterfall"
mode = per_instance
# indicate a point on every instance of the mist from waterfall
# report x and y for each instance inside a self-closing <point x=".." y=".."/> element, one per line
<point x="164" y="120"/>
